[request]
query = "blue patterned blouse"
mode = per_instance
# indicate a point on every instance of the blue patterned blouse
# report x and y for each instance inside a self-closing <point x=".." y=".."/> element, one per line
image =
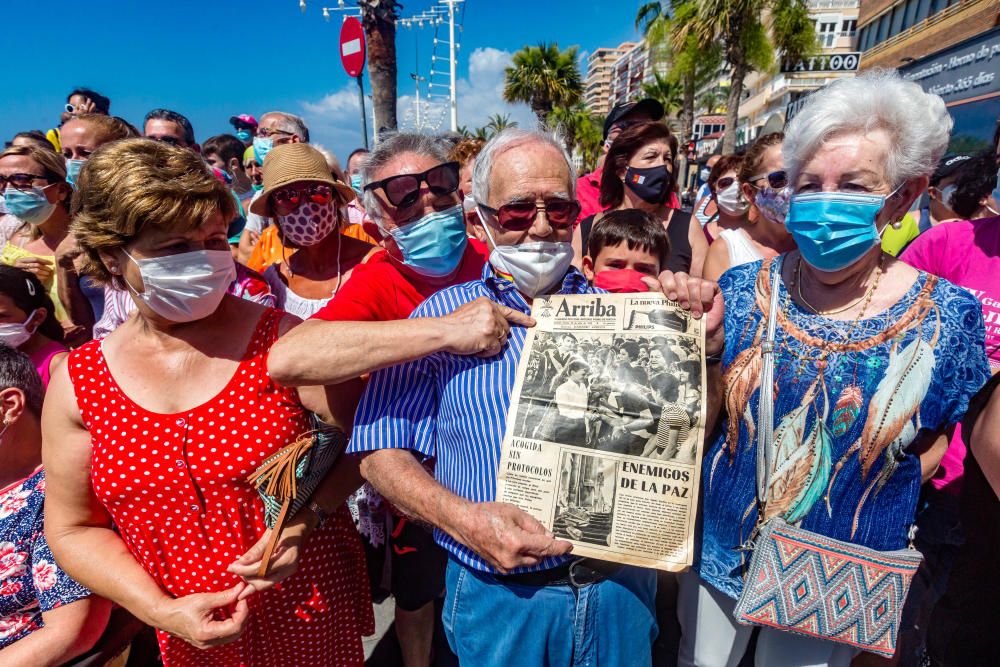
<point x="848" y="403"/>
<point x="30" y="580"/>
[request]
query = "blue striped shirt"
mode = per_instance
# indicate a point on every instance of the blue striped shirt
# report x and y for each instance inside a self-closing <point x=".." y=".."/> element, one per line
<point x="452" y="407"/>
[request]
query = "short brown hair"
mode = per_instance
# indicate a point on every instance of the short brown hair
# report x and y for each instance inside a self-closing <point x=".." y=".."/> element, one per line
<point x="725" y="163"/>
<point x="109" y="128"/>
<point x="637" y="229"/>
<point x="466" y="150"/>
<point x="755" y="155"/>
<point x="622" y="149"/>
<point x="127" y="185"/>
<point x="51" y="163"/>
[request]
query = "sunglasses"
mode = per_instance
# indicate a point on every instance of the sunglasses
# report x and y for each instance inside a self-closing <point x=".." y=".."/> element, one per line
<point x="268" y="132"/>
<point x="167" y="139"/>
<point x="404" y="190"/>
<point x="724" y="182"/>
<point x="287" y="200"/>
<point x="520" y="215"/>
<point x="20" y="181"/>
<point x="776" y="179"/>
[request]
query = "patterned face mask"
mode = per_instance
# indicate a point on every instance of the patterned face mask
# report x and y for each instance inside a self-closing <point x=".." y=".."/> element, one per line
<point x="309" y="224"/>
<point x="773" y="204"/>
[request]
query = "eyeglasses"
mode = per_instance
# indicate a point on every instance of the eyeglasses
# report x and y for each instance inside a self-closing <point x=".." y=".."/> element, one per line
<point x="520" y="215"/>
<point x="288" y="199"/>
<point x="267" y="132"/>
<point x="166" y="139"/>
<point x="403" y="190"/>
<point x="776" y="179"/>
<point x="724" y="182"/>
<point x="20" y="181"/>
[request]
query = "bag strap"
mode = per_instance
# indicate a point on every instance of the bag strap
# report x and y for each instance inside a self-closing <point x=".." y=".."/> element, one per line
<point x="765" y="419"/>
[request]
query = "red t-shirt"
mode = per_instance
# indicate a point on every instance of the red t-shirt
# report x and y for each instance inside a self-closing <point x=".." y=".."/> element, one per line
<point x="379" y="292"/>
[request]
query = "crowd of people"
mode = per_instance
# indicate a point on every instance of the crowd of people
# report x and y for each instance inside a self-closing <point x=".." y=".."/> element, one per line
<point x="175" y="314"/>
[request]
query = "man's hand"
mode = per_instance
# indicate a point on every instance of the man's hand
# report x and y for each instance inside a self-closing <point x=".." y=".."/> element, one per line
<point x="205" y="619"/>
<point x="506" y="536"/>
<point x="700" y="297"/>
<point x="481" y="327"/>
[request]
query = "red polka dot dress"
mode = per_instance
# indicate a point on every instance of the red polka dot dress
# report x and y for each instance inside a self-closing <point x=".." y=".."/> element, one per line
<point x="176" y="488"/>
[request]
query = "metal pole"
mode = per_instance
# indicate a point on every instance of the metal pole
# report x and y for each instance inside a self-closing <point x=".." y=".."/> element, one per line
<point x="364" y="115"/>
<point x="451" y="54"/>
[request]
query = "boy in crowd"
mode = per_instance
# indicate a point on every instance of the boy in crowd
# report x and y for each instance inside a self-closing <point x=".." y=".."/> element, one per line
<point x="626" y="252"/>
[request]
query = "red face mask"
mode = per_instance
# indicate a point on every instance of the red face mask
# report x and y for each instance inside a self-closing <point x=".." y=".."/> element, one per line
<point x="620" y="281"/>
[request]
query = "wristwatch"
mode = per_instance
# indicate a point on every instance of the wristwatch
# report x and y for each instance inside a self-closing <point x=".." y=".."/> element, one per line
<point x="321" y="514"/>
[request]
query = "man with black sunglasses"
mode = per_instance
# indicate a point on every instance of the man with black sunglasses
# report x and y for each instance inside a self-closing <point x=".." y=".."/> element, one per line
<point x="169" y="127"/>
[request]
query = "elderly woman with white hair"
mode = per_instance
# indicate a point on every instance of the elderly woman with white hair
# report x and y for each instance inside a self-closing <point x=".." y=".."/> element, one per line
<point x="866" y="366"/>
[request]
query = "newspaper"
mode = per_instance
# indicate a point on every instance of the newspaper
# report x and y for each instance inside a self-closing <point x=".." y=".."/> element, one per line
<point x="605" y="427"/>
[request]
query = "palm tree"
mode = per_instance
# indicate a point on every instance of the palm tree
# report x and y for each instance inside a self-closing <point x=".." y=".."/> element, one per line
<point x="543" y="77"/>
<point x="378" y="17"/>
<point x="647" y="14"/>
<point x="567" y="121"/>
<point x="498" y="123"/>
<point x="666" y="91"/>
<point x="589" y="140"/>
<point x="748" y="39"/>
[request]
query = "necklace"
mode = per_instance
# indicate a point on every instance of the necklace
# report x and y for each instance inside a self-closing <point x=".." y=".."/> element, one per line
<point x="866" y="297"/>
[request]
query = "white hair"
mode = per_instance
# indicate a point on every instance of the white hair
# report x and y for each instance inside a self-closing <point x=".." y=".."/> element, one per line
<point x="917" y="123"/>
<point x="504" y="141"/>
<point x="389" y="147"/>
<point x="289" y="122"/>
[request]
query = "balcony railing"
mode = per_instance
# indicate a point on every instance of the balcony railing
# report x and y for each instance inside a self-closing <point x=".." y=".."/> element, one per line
<point x="832" y="4"/>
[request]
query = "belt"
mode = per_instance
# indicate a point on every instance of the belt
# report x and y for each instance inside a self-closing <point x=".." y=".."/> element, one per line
<point x="578" y="573"/>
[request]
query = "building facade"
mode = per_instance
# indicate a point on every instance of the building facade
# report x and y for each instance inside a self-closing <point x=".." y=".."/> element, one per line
<point x="951" y="48"/>
<point x="600" y="70"/>
<point x="632" y="69"/>
<point x="775" y="97"/>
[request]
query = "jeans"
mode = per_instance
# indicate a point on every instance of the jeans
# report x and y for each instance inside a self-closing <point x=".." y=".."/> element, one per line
<point x="609" y="624"/>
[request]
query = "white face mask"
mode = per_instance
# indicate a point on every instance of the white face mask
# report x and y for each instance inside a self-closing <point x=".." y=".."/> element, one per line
<point x="534" y="267"/>
<point x="14" y="334"/>
<point x="731" y="200"/>
<point x="185" y="287"/>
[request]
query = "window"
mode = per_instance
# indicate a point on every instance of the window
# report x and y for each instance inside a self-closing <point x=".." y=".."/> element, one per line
<point x="849" y="27"/>
<point x="827" y="33"/>
<point x="923" y="10"/>
<point x="896" y="26"/>
<point x="883" y="29"/>
<point x="910" y="17"/>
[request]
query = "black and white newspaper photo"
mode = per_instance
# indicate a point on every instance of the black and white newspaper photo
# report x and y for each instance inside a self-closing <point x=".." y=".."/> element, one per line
<point x="605" y="427"/>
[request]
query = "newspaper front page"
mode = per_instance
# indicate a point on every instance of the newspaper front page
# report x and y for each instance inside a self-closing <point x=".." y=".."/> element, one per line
<point x="604" y="433"/>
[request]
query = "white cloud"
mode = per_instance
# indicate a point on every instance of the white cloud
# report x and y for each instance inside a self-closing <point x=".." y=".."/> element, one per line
<point x="334" y="120"/>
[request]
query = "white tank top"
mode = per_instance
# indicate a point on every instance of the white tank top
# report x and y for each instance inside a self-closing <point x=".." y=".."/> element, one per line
<point x="289" y="301"/>
<point x="741" y="248"/>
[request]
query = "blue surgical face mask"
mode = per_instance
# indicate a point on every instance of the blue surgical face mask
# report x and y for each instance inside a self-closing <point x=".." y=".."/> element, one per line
<point x="73" y="168"/>
<point x="261" y="147"/>
<point x="257" y="187"/>
<point x="32" y="206"/>
<point x="835" y="229"/>
<point x="433" y="245"/>
<point x="244" y="136"/>
<point x="356" y="183"/>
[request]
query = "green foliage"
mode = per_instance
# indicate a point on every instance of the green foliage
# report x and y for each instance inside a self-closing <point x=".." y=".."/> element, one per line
<point x="666" y="91"/>
<point x="646" y="16"/>
<point x="497" y="123"/>
<point x="581" y="131"/>
<point x="544" y="77"/>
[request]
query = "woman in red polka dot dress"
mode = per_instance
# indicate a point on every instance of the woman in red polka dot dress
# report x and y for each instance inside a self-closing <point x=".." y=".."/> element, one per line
<point x="155" y="429"/>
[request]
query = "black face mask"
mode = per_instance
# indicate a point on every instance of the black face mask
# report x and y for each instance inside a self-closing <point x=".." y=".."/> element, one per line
<point x="651" y="184"/>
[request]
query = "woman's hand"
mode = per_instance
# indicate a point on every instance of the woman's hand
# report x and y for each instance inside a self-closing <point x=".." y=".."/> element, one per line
<point x="284" y="560"/>
<point x="205" y="620"/>
<point x="41" y="267"/>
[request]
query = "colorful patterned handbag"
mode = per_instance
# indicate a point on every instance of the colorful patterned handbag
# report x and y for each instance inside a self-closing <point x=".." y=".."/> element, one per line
<point x="287" y="479"/>
<point x="803" y="582"/>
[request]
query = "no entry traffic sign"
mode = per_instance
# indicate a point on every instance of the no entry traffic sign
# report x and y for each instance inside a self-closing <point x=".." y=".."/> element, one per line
<point x="352" y="46"/>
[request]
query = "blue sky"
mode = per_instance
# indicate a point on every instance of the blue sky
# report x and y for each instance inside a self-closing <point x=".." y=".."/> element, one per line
<point x="211" y="59"/>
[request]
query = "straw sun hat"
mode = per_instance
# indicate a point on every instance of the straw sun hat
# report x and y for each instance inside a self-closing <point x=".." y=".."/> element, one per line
<point x="293" y="163"/>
